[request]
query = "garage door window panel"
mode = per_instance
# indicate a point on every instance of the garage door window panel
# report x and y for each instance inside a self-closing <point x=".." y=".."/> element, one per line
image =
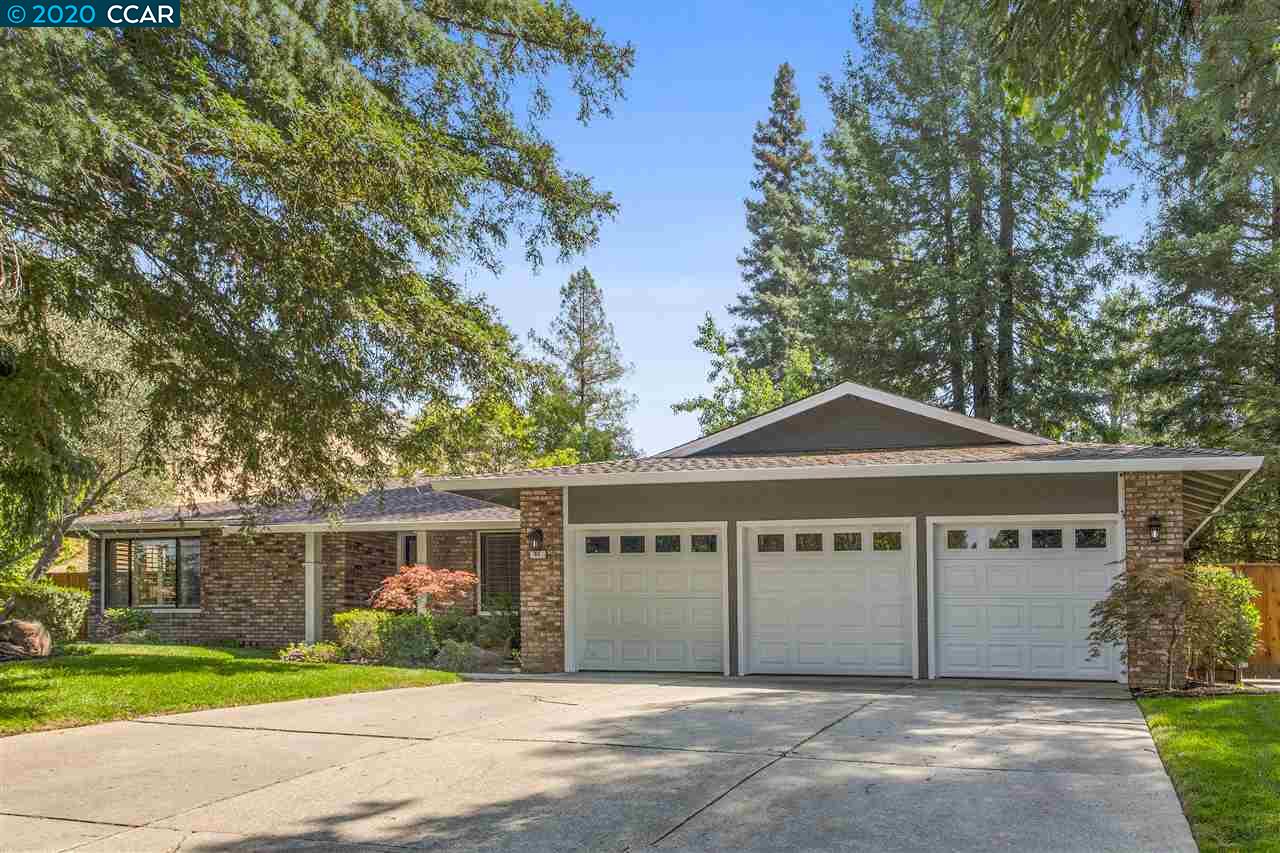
<point x="1046" y="538"/>
<point x="848" y="541"/>
<point x="631" y="544"/>
<point x="1091" y="538"/>
<point x="771" y="543"/>
<point x="666" y="544"/>
<point x="1005" y="539"/>
<point x="704" y="543"/>
<point x="808" y="542"/>
<point x="963" y="539"/>
<point x="886" y="540"/>
<point x="597" y="545"/>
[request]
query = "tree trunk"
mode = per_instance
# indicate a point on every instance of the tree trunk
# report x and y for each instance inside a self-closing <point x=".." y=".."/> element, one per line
<point x="58" y="531"/>
<point x="979" y="348"/>
<point x="955" y="319"/>
<point x="1004" y="321"/>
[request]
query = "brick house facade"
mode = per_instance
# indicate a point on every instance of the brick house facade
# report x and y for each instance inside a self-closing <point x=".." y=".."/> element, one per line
<point x="252" y="588"/>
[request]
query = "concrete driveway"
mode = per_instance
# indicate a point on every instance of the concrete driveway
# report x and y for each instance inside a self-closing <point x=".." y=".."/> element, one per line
<point x="611" y="763"/>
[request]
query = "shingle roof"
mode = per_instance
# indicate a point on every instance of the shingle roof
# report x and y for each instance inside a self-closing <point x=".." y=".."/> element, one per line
<point x="405" y="503"/>
<point x="1062" y="452"/>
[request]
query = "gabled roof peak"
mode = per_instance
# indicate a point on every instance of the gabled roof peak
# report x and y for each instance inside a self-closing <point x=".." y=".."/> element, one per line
<point x="864" y="392"/>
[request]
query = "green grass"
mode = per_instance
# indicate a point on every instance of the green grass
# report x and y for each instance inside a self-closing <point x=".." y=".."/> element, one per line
<point x="113" y="682"/>
<point x="1224" y="756"/>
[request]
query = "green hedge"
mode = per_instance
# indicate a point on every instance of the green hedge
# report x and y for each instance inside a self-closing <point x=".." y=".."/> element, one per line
<point x="407" y="639"/>
<point x="359" y="633"/>
<point x="59" y="609"/>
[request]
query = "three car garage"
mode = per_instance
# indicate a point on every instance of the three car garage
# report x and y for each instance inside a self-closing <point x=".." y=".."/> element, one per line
<point x="1005" y="597"/>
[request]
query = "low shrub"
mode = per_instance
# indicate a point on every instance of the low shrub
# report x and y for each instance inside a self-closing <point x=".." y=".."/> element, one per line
<point x="456" y="657"/>
<point x="407" y="639"/>
<point x="311" y="653"/>
<point x="458" y="625"/>
<point x="499" y="631"/>
<point x="463" y="657"/>
<point x="359" y="633"/>
<point x="59" y="609"/>
<point x="122" y="620"/>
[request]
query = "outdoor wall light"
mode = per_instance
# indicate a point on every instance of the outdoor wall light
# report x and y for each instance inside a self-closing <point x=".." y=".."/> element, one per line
<point x="1154" y="527"/>
<point x="535" y="539"/>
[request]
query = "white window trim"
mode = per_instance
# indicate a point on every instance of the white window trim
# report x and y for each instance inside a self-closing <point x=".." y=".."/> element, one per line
<point x="570" y="548"/>
<point x="853" y="389"/>
<point x="932" y="522"/>
<point x="908" y="523"/>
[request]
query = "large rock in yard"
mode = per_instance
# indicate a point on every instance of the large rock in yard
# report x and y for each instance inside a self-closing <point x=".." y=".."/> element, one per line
<point x="19" y="639"/>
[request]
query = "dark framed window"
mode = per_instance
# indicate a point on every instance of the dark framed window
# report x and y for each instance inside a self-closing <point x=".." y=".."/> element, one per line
<point x="703" y="543"/>
<point x="961" y="540"/>
<point x="886" y="540"/>
<point x="499" y="569"/>
<point x="597" y="544"/>
<point x="848" y="541"/>
<point x="1046" y="537"/>
<point x="410" y="555"/>
<point x="1004" y="540"/>
<point x="770" y="543"/>
<point x="666" y="544"/>
<point x="631" y="544"/>
<point x="808" y="541"/>
<point x="153" y="572"/>
<point x="1091" y="537"/>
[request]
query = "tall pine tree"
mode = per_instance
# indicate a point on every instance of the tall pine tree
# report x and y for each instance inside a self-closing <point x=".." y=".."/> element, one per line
<point x="780" y="264"/>
<point x="1214" y="254"/>
<point x="583" y="399"/>
<point x="961" y="265"/>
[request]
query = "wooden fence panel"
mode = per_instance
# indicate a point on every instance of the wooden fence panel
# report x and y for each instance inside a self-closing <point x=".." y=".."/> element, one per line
<point x="70" y="580"/>
<point x="1266" y="577"/>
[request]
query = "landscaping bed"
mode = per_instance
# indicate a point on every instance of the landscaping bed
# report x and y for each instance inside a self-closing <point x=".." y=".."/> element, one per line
<point x="1223" y="754"/>
<point x="95" y="683"/>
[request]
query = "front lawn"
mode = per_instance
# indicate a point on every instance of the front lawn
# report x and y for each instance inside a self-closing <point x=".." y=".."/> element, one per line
<point x="114" y="682"/>
<point x="1224" y="756"/>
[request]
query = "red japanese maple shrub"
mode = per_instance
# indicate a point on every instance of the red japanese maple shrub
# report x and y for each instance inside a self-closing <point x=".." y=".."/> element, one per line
<point x="441" y="588"/>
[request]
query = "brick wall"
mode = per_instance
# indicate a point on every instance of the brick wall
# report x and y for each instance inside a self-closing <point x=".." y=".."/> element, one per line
<point x="1145" y="495"/>
<point x="455" y="550"/>
<point x="542" y="583"/>
<point x="353" y="564"/>
<point x="251" y="592"/>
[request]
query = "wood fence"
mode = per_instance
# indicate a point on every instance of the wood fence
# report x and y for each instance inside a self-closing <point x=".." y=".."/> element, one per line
<point x="70" y="580"/>
<point x="1266" y="577"/>
<point x="73" y="580"/>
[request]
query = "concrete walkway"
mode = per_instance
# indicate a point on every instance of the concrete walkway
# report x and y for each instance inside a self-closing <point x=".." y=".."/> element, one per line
<point x="611" y="763"/>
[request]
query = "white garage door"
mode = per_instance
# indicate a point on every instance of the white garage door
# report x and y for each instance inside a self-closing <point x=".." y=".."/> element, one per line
<point x="828" y="597"/>
<point x="1012" y="599"/>
<point x="650" y="598"/>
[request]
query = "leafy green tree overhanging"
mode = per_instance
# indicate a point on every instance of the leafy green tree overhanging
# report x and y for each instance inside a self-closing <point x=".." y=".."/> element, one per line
<point x="1077" y="66"/>
<point x="264" y="206"/>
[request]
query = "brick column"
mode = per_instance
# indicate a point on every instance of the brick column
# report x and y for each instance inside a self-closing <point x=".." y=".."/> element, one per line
<point x="1145" y="495"/>
<point x="542" y="582"/>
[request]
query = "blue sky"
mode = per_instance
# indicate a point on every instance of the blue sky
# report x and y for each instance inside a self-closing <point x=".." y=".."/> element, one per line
<point x="677" y="156"/>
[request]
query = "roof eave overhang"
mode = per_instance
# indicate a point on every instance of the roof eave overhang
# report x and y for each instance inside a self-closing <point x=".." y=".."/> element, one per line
<point x="301" y="526"/>
<point x="378" y="526"/>
<point x="829" y="472"/>
<point x="175" y="524"/>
